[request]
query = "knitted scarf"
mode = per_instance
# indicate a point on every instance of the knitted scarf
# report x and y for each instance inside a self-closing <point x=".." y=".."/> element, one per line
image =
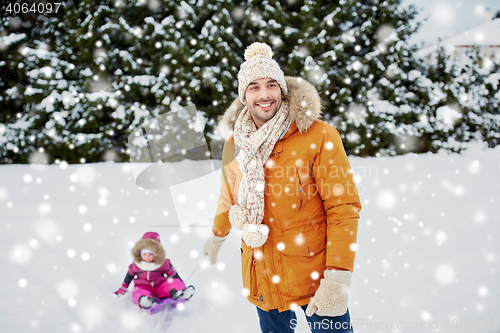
<point x="253" y="147"/>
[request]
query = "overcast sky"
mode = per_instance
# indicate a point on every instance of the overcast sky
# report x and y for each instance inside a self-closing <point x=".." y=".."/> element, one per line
<point x="447" y="18"/>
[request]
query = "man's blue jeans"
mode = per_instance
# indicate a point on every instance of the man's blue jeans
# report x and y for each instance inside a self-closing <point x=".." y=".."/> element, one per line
<point x="286" y="322"/>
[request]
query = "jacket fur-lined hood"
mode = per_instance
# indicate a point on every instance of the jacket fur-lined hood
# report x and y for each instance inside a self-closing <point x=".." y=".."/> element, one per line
<point x="151" y="244"/>
<point x="304" y="107"/>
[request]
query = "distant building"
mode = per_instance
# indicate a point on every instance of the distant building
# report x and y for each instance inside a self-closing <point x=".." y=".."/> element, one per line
<point x="485" y="36"/>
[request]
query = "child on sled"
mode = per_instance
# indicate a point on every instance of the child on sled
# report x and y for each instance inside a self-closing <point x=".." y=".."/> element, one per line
<point x="153" y="274"/>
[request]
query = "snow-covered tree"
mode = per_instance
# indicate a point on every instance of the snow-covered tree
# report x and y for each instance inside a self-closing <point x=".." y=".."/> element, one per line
<point x="93" y="74"/>
<point x="75" y="84"/>
<point x="478" y="95"/>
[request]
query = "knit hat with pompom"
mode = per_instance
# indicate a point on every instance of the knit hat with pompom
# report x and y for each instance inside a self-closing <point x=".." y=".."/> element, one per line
<point x="259" y="65"/>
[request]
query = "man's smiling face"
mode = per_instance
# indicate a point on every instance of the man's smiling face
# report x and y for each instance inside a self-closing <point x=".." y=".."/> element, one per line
<point x="263" y="99"/>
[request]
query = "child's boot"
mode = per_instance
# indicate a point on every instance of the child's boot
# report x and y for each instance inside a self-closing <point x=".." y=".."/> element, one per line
<point x="146" y="302"/>
<point x="184" y="294"/>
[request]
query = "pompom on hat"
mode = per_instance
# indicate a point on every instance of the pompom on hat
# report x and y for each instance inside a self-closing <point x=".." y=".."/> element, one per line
<point x="259" y="65"/>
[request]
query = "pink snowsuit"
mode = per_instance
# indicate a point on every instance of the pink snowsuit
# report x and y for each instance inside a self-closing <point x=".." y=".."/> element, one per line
<point x="158" y="278"/>
<point x="158" y="282"/>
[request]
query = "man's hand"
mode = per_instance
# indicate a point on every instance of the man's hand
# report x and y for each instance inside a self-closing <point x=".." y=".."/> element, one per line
<point x="212" y="247"/>
<point x="332" y="295"/>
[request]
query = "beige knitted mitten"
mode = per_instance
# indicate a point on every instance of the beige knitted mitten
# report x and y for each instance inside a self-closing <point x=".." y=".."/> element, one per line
<point x="212" y="247"/>
<point x="331" y="297"/>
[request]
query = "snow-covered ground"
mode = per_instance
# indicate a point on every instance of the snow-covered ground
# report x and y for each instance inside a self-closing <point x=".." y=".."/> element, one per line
<point x="428" y="256"/>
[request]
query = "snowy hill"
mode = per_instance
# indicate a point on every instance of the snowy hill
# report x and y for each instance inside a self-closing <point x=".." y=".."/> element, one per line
<point x="485" y="36"/>
<point x="428" y="250"/>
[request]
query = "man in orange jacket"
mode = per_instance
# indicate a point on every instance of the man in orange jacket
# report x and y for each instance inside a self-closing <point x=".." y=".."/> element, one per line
<point x="287" y="184"/>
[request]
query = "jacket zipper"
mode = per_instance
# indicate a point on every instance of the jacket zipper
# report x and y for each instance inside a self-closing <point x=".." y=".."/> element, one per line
<point x="300" y="190"/>
<point x="274" y="273"/>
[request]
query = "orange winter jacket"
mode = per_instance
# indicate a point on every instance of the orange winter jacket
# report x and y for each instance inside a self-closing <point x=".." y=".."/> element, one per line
<point x="311" y="205"/>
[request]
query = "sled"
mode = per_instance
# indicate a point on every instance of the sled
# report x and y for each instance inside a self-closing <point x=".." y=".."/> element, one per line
<point x="162" y="303"/>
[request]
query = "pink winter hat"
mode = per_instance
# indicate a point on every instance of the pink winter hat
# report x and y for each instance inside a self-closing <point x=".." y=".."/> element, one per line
<point x="152" y="235"/>
<point x="259" y="65"/>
